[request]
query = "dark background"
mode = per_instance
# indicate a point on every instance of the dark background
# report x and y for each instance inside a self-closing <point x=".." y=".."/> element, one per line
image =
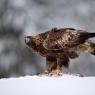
<point x="19" y="18"/>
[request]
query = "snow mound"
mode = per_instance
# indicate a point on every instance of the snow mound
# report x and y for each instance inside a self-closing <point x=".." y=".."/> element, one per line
<point x="36" y="85"/>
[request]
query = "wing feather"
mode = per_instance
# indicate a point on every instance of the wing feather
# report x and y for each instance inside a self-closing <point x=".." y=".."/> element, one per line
<point x="65" y="39"/>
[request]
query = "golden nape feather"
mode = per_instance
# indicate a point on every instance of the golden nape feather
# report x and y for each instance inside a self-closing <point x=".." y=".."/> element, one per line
<point x="59" y="45"/>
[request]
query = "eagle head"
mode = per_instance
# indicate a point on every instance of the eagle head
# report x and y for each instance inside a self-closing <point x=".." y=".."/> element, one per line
<point x="33" y="41"/>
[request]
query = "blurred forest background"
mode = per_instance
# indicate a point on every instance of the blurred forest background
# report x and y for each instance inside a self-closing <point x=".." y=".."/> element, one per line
<point x="19" y="18"/>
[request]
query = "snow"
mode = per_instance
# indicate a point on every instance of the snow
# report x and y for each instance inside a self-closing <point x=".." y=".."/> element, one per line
<point x="36" y="85"/>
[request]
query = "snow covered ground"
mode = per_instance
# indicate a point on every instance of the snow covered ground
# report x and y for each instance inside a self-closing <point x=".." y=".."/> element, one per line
<point x="36" y="85"/>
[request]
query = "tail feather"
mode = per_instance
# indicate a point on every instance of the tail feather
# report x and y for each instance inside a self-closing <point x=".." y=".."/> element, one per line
<point x="88" y="47"/>
<point x="91" y="35"/>
<point x="92" y="45"/>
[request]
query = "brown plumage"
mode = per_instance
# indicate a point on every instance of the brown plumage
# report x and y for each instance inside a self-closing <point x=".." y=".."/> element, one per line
<point x="59" y="45"/>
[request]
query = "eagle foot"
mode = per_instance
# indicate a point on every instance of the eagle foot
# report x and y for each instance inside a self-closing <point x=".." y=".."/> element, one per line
<point x="56" y="73"/>
<point x="45" y="73"/>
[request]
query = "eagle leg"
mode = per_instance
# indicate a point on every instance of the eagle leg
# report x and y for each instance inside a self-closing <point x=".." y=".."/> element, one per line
<point x="51" y="64"/>
<point x="62" y="61"/>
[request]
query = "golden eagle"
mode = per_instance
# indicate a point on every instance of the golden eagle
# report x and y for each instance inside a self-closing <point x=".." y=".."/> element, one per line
<point x="60" y="45"/>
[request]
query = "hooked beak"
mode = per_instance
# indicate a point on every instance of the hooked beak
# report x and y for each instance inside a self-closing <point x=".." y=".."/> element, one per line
<point x="27" y="39"/>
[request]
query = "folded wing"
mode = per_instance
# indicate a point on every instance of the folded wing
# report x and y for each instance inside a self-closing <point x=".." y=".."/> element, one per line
<point x="65" y="39"/>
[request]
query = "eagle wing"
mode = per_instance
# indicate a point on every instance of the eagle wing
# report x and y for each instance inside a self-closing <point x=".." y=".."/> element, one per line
<point x="65" y="38"/>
